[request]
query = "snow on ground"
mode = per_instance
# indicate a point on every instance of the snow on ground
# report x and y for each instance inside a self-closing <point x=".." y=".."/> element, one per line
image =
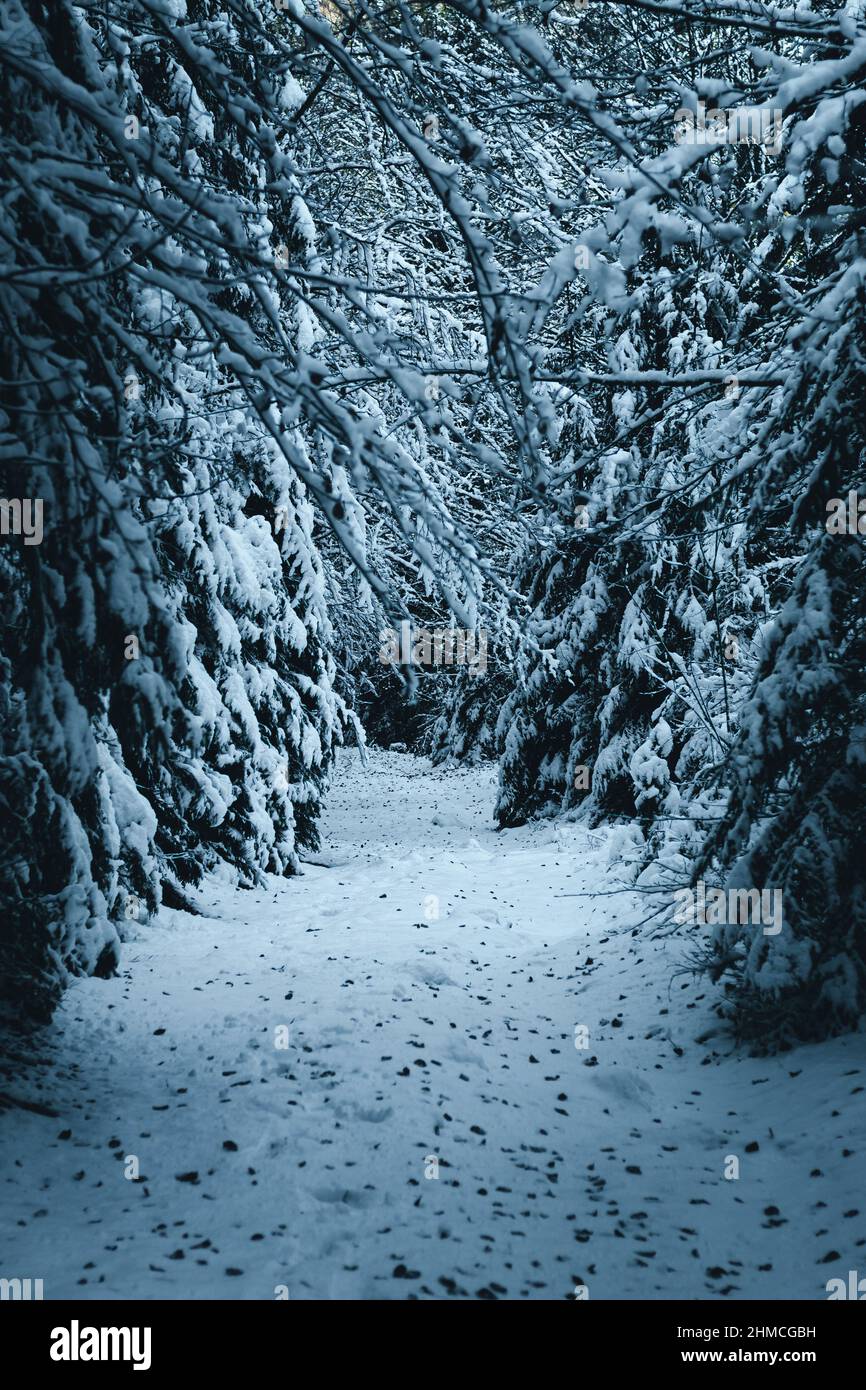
<point x="301" y="1170"/>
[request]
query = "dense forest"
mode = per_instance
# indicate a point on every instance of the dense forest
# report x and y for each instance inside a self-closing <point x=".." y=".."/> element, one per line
<point x="538" y="324"/>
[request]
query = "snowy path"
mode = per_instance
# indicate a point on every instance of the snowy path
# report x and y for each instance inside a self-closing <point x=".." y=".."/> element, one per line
<point x="304" y="1167"/>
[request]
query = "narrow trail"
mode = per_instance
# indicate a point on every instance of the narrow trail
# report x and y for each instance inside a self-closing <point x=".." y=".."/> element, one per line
<point x="430" y="974"/>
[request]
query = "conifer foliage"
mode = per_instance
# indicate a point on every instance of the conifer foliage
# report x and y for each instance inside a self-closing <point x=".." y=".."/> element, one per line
<point x="702" y="635"/>
<point x="169" y="685"/>
<point x="325" y="315"/>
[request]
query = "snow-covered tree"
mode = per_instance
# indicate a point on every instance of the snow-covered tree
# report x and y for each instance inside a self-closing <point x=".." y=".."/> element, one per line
<point x="323" y="317"/>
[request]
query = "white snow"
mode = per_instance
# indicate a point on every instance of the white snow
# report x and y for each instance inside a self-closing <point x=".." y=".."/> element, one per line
<point x="413" y="1037"/>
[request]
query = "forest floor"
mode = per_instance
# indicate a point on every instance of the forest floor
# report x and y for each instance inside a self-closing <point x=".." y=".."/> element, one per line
<point x="415" y="1041"/>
